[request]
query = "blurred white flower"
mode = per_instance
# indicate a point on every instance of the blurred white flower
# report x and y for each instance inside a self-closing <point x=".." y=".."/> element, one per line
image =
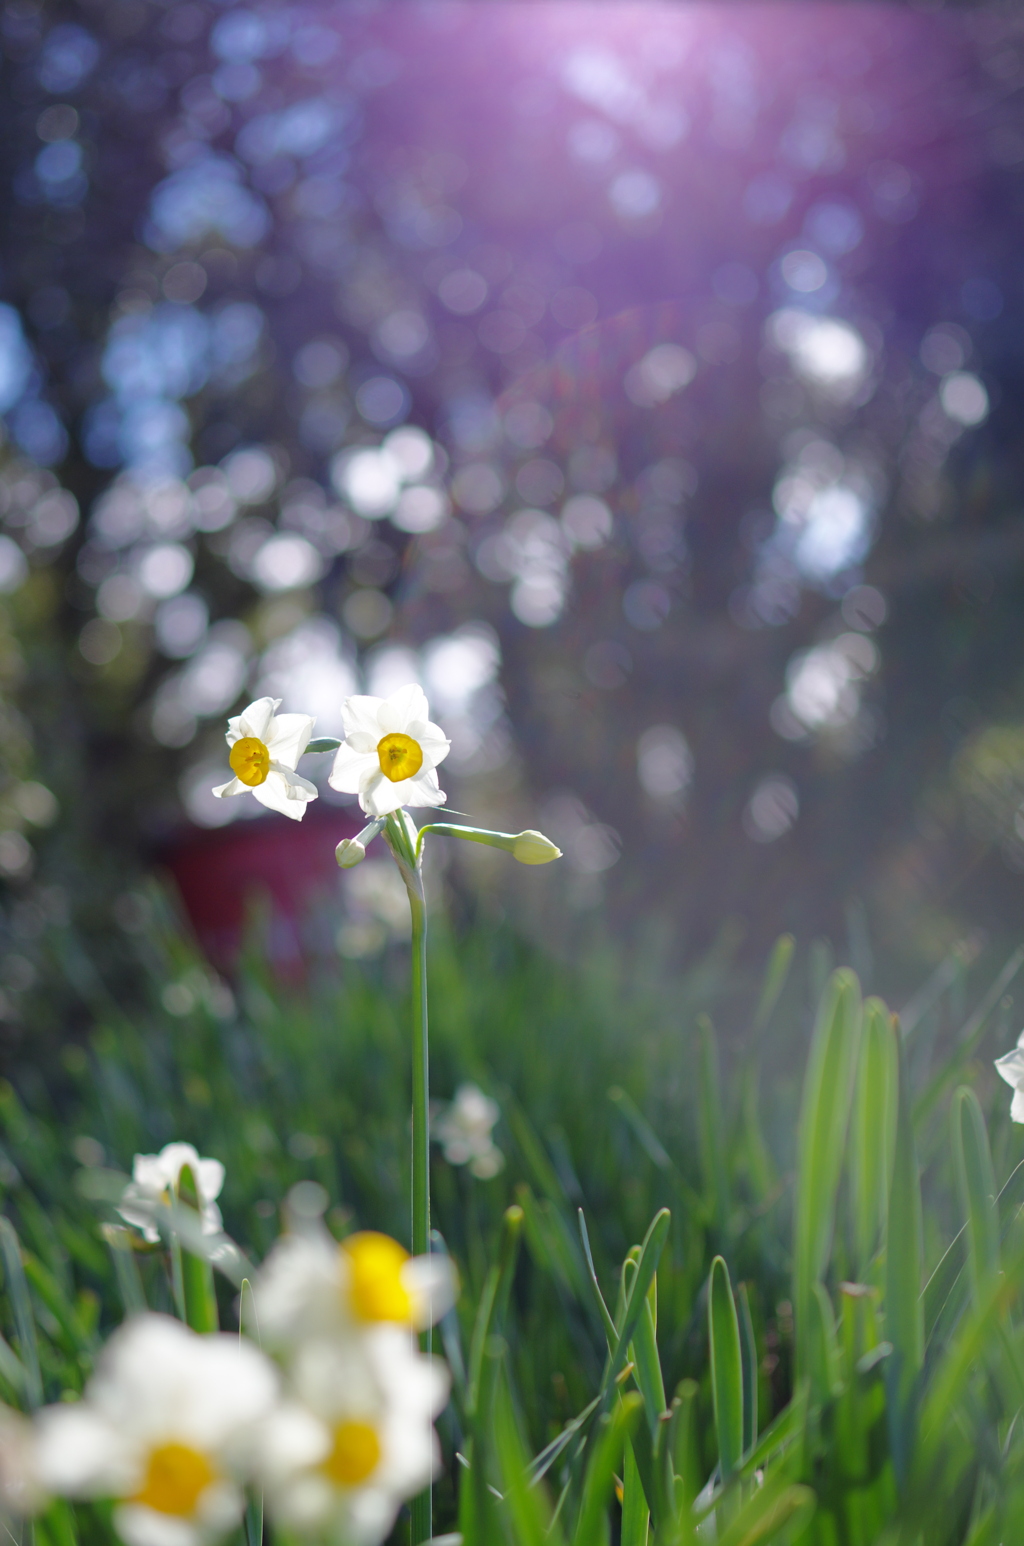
<point x="464" y="1128"/>
<point x="356" y="1440"/>
<point x="154" y="1183"/>
<point x="167" y="1428"/>
<point x="1011" y="1068"/>
<point x="20" y="1489"/>
<point x="265" y="750"/>
<point x="312" y="1287"/>
<point x="390" y="752"/>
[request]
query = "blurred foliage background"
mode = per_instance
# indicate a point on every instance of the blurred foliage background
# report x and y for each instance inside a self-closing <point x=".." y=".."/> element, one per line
<point x="643" y="379"/>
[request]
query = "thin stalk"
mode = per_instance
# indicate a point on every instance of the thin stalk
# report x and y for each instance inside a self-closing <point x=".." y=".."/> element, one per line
<point x="401" y="837"/>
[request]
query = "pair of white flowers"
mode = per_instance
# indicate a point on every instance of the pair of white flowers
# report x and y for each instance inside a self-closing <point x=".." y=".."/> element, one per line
<point x="388" y="758"/>
<point x="335" y="1428"/>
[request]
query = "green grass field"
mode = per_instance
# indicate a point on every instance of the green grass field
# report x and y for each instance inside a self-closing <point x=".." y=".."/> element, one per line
<point x="762" y="1291"/>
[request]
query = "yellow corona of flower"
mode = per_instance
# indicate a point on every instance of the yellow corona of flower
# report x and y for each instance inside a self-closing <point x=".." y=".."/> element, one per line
<point x="390" y="752"/>
<point x="264" y="751"/>
<point x="168" y="1429"/>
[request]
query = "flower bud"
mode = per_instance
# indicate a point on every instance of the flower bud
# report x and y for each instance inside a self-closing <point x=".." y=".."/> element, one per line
<point x="534" y="848"/>
<point x="349" y="852"/>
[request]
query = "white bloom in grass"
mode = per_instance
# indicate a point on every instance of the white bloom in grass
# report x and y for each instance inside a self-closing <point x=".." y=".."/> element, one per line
<point x="1011" y="1068"/>
<point x="265" y="750"/>
<point x="310" y="1286"/>
<point x="390" y="752"/>
<point x="464" y="1129"/>
<point x="167" y="1429"/>
<point x="20" y="1489"/>
<point x="358" y="1438"/>
<point x="155" y="1179"/>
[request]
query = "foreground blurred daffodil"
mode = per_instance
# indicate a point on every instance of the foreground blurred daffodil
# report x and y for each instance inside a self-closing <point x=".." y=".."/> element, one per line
<point x="265" y="750"/>
<point x="167" y="1429"/>
<point x="390" y="752"/>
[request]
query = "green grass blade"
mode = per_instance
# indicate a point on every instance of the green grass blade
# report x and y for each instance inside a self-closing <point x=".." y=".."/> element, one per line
<point x="636" y="1516"/>
<point x="592" y="1528"/>
<point x="779" y="963"/>
<point x="904" y="1317"/>
<point x="726" y="1368"/>
<point x="198" y="1292"/>
<point x="650" y="1255"/>
<point x="126" y="1268"/>
<point x="24" y="1319"/>
<point x="602" y="1309"/>
<point x="976" y="1184"/>
<point x="824" y="1112"/>
<point x="776" y="1507"/>
<point x="748" y="1353"/>
<point x="712" y="1127"/>
<point x="872" y="1133"/>
<point x="823" y="1367"/>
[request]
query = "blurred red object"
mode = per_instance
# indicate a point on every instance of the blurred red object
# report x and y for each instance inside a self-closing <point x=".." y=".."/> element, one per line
<point x="290" y="865"/>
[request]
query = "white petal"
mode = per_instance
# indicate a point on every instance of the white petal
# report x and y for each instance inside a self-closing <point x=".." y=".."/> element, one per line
<point x="403" y="707"/>
<point x="233" y="786"/>
<point x="430" y="1283"/>
<point x="210" y="1177"/>
<point x="364" y="742"/>
<point x="139" y="1526"/>
<point x="1017" y="1106"/>
<point x="1011" y="1068"/>
<point x="350" y="767"/>
<point x="378" y="796"/>
<point x="174" y="1156"/>
<point x="424" y="790"/>
<point x="360" y="713"/>
<point x="432" y="741"/>
<point x="276" y="794"/>
<point x="255" y="720"/>
<point x="288" y="737"/>
<point x="73" y="1450"/>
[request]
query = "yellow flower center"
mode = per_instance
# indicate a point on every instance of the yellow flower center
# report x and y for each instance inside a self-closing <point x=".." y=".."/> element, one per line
<point x="250" y="761"/>
<point x="375" y="1286"/>
<point x="176" y="1476"/>
<point x="399" y="756"/>
<point x="354" y="1454"/>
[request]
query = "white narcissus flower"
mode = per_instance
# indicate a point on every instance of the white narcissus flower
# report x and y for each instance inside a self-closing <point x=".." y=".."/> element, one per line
<point x="463" y="1130"/>
<point x="155" y="1180"/>
<point x="168" y="1429"/>
<point x="390" y="752"/>
<point x="310" y="1286"/>
<point x="1011" y="1068"/>
<point x="265" y="750"/>
<point x="358" y="1437"/>
<point x="20" y="1489"/>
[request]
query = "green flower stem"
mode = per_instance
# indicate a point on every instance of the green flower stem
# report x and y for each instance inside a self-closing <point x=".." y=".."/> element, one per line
<point x="505" y="840"/>
<point x="401" y="837"/>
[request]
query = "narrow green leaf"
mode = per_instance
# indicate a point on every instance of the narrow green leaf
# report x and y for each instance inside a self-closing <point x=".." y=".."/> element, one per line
<point x="824" y="1112"/>
<point x="712" y="1126"/>
<point x="647" y="1266"/>
<point x="872" y="1133"/>
<point x="748" y="1353"/>
<point x="24" y="1319"/>
<point x="198" y="1292"/>
<point x="493" y="1302"/>
<point x="823" y="1364"/>
<point x="636" y="1516"/>
<point x="592" y="1527"/>
<point x="322" y="743"/>
<point x="777" y="1506"/>
<point x="945" y="1293"/>
<point x="126" y="1268"/>
<point x="976" y="1184"/>
<point x="779" y="963"/>
<point x="726" y="1368"/>
<point x="904" y="1318"/>
<point x="602" y="1308"/>
<point x="526" y="1505"/>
